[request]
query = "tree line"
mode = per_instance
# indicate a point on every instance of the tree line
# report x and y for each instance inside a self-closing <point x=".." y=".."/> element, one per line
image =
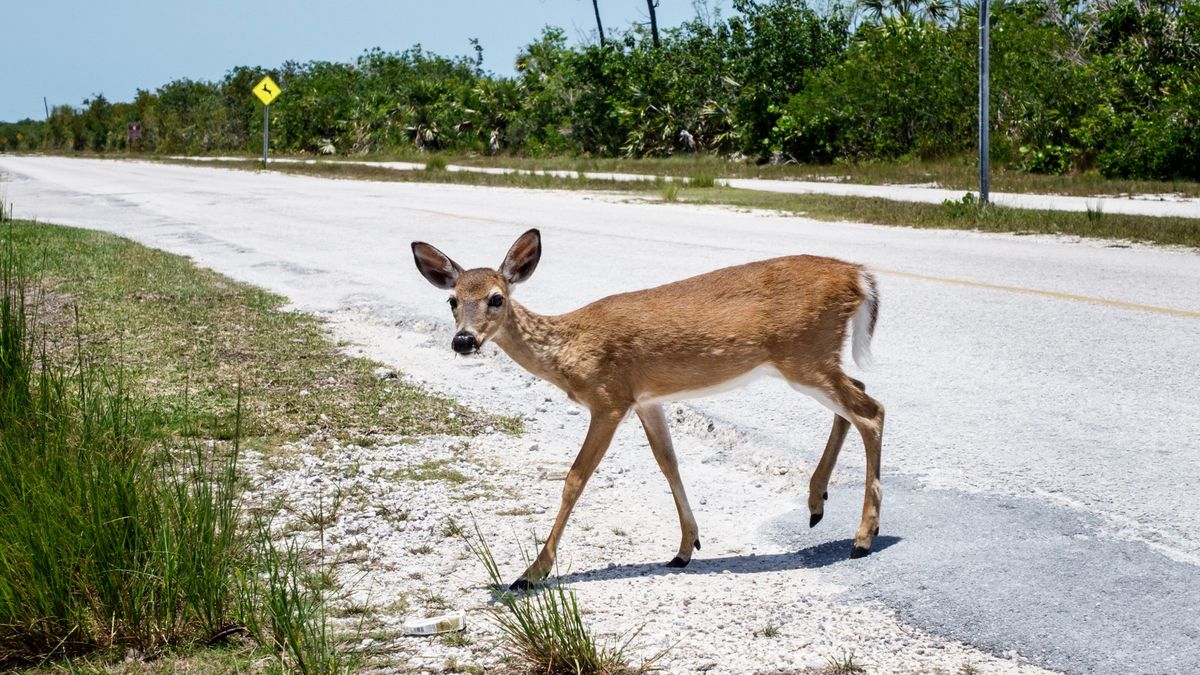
<point x="1110" y="85"/>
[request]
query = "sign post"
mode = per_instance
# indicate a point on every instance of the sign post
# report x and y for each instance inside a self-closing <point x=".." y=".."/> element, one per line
<point x="267" y="91"/>
<point x="984" y="106"/>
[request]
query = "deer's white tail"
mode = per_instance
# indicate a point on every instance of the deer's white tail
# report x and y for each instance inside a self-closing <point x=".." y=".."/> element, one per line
<point x="863" y="321"/>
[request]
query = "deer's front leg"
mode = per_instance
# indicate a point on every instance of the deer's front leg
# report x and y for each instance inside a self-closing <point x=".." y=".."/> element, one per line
<point x="659" y="435"/>
<point x="599" y="435"/>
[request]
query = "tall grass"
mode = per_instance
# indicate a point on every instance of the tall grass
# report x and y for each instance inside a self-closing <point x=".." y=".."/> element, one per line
<point x="114" y="534"/>
<point x="544" y="629"/>
<point x="103" y="539"/>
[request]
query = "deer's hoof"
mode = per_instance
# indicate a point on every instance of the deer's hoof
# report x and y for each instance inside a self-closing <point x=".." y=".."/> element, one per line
<point x="696" y="543"/>
<point x="825" y="496"/>
<point x="859" y="552"/>
<point x="521" y="585"/>
<point x="678" y="562"/>
<point x="815" y="518"/>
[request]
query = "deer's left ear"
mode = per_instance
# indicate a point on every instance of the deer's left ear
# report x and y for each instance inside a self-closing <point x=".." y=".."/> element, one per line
<point x="522" y="258"/>
<point x="437" y="267"/>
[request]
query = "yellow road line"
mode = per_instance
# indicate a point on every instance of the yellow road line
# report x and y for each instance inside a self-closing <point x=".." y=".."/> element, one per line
<point x="1045" y="294"/>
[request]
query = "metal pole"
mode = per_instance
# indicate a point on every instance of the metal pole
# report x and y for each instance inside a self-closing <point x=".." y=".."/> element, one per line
<point x="266" y="130"/>
<point x="46" y="106"/>
<point x="984" y="105"/>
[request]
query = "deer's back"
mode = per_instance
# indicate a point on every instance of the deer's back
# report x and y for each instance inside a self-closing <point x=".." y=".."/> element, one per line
<point x="716" y="326"/>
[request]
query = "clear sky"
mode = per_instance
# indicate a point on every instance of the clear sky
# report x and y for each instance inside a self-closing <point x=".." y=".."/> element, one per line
<point x="67" y="50"/>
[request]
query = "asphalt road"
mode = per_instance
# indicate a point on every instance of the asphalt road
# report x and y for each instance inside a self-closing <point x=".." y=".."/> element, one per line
<point x="1043" y="433"/>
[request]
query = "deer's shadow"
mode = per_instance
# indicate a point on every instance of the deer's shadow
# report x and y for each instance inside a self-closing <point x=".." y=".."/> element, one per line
<point x="813" y="557"/>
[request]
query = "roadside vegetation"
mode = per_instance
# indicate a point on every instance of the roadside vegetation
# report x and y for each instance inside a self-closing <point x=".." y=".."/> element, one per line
<point x="880" y="89"/>
<point x="131" y="383"/>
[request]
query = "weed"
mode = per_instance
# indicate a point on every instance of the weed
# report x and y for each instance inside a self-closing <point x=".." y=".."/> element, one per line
<point x="423" y="549"/>
<point x="670" y="191"/>
<point x="968" y="669"/>
<point x="435" y="163"/>
<point x="456" y="639"/>
<point x="434" y="469"/>
<point x="544" y="629"/>
<point x="702" y="179"/>
<point x="844" y="665"/>
<point x="768" y="631"/>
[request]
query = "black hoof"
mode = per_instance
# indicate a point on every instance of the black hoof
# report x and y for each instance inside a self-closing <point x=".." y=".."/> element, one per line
<point x="678" y="562"/>
<point x="875" y="533"/>
<point x="814" y="519"/>
<point x="859" y="552"/>
<point x="521" y="585"/>
<point x="696" y="544"/>
<point x="825" y="496"/>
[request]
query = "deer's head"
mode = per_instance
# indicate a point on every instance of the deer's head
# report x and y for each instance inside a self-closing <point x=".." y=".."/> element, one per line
<point x="479" y="297"/>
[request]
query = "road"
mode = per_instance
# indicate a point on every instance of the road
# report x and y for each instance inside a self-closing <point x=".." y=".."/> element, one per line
<point x="1042" y="435"/>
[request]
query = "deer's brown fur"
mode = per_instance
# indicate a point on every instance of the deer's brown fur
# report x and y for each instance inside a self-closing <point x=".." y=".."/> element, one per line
<point x="634" y="350"/>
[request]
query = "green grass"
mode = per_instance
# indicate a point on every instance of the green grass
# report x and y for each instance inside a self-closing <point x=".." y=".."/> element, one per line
<point x="347" y="170"/>
<point x="956" y="216"/>
<point x="110" y="533"/>
<point x="956" y="173"/>
<point x="186" y="337"/>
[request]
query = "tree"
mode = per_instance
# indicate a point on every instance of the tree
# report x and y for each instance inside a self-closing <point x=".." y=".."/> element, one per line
<point x="651" y="4"/>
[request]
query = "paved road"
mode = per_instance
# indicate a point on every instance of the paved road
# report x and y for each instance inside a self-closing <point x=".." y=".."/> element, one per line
<point x="1043" y="430"/>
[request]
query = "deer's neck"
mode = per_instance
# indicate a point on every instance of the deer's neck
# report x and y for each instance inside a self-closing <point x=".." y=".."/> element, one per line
<point x="534" y="341"/>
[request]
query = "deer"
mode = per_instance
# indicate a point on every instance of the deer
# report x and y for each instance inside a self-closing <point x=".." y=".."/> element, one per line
<point x="635" y="351"/>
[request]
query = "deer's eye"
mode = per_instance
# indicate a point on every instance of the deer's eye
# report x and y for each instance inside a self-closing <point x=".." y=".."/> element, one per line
<point x="496" y="300"/>
<point x="453" y="304"/>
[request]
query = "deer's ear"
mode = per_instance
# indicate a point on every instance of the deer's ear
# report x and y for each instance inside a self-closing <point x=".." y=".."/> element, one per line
<point x="435" y="266"/>
<point x="522" y="258"/>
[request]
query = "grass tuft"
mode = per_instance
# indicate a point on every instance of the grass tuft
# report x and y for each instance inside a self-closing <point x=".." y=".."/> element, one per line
<point x="544" y="629"/>
<point x="844" y="665"/>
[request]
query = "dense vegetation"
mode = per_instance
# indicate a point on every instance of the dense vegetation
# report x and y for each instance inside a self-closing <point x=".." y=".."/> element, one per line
<point x="1111" y="85"/>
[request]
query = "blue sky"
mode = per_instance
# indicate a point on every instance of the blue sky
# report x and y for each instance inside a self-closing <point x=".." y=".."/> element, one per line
<point x="67" y="50"/>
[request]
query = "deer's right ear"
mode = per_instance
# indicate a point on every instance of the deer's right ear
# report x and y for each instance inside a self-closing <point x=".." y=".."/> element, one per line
<point x="435" y="266"/>
<point x="522" y="258"/>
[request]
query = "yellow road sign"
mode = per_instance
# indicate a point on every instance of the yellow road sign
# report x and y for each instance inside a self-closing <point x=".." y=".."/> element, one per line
<point x="266" y="90"/>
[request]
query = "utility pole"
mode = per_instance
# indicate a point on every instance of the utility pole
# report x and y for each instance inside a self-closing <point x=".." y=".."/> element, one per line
<point x="47" y="107"/>
<point x="599" y="26"/>
<point x="651" y="4"/>
<point x="984" y="105"/>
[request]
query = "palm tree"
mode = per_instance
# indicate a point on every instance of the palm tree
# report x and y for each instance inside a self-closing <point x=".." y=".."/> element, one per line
<point x="934" y="11"/>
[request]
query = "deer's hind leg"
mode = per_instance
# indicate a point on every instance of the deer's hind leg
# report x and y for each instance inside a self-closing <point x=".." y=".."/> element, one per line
<point x="818" y="485"/>
<point x="835" y="390"/>
<point x="659" y="435"/>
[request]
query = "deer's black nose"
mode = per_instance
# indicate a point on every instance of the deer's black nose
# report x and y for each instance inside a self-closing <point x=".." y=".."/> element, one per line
<point x="464" y="343"/>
